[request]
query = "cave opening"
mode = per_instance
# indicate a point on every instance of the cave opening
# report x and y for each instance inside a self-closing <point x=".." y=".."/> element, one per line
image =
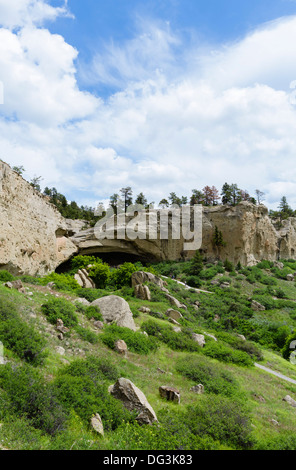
<point x="114" y="259"/>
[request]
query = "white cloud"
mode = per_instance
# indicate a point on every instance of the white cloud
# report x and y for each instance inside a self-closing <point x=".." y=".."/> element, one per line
<point x="173" y="126"/>
<point x="18" y="13"/>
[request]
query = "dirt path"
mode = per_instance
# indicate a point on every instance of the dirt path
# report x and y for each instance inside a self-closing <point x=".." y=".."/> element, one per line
<point x="270" y="371"/>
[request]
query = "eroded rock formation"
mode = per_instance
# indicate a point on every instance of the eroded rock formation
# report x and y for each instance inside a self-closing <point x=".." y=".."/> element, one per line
<point x="36" y="239"/>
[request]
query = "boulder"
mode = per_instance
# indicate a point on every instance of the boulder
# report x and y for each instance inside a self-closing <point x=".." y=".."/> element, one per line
<point x="169" y="393"/>
<point x="96" y="424"/>
<point x="175" y="302"/>
<point x="115" y="309"/>
<point x="60" y="327"/>
<point x="141" y="277"/>
<point x="142" y="292"/>
<point x="134" y="400"/>
<point x="290" y="277"/>
<point x="290" y="400"/>
<point x="200" y="339"/>
<point x="174" y="314"/>
<point x="199" y="389"/>
<point x="84" y="280"/>
<point x="121" y="347"/>
<point x="256" y="306"/>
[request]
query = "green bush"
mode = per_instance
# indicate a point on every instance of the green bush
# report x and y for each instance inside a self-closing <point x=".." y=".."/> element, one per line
<point x="89" y="294"/>
<point x="60" y="308"/>
<point x="83" y="387"/>
<point x="221" y="418"/>
<point x="92" y="311"/>
<point x="240" y="344"/>
<point x="18" y="336"/>
<point x="166" y="334"/>
<point x="5" y="276"/>
<point x="203" y="371"/>
<point x="226" y="354"/>
<point x="82" y="261"/>
<point x="122" y="276"/>
<point x="136" y="341"/>
<point x="63" y="282"/>
<point x="29" y="396"/>
<point x="86" y="334"/>
<point x="100" y="274"/>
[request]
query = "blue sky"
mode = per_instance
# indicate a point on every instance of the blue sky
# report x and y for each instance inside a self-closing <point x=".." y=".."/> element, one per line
<point x="162" y="96"/>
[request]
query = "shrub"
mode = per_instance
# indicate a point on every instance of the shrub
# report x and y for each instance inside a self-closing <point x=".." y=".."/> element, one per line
<point x="166" y="334"/>
<point x="287" y="350"/>
<point x="63" y="282"/>
<point x="92" y="311"/>
<point x="29" y="396"/>
<point x="136" y="341"/>
<point x="82" y="261"/>
<point x="23" y="340"/>
<point x="89" y="294"/>
<point x="19" y="337"/>
<point x="202" y="371"/>
<point x="5" y="276"/>
<point x="221" y="418"/>
<point x="228" y="265"/>
<point x="86" y="334"/>
<point x="100" y="274"/>
<point x="122" y="276"/>
<point x="226" y="354"/>
<point x="82" y="387"/>
<point x="59" y="308"/>
<point x="240" y="344"/>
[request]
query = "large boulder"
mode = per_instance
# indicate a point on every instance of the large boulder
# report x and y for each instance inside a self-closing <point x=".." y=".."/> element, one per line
<point x="134" y="400"/>
<point x="140" y="277"/>
<point x="115" y="309"/>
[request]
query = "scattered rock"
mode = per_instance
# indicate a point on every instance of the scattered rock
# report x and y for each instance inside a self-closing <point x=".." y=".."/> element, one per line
<point x="141" y="277"/>
<point x="256" y="306"/>
<point x="133" y="399"/>
<point x="96" y="424"/>
<point x="169" y="393"/>
<point x="121" y="347"/>
<point x="83" y="301"/>
<point x="142" y="292"/>
<point x="175" y="302"/>
<point x="211" y="336"/>
<point x="200" y="339"/>
<point x="177" y="329"/>
<point x="174" y="314"/>
<point x="290" y="401"/>
<point x="60" y="326"/>
<point x="98" y="324"/>
<point x="241" y="337"/>
<point x="199" y="389"/>
<point x="290" y="277"/>
<point x="275" y="422"/>
<point x="60" y="350"/>
<point x="144" y="310"/>
<point x="259" y="398"/>
<point x="115" y="309"/>
<point x="84" y="280"/>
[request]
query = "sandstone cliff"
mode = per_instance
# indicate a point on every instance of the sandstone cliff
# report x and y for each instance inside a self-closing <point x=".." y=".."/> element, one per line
<point x="36" y="239"/>
<point x="33" y="235"/>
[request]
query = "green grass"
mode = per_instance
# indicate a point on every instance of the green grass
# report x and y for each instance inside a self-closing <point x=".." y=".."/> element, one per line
<point x="165" y="365"/>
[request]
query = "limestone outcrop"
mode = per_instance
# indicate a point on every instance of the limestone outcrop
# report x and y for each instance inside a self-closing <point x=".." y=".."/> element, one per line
<point x="33" y="235"/>
<point x="36" y="239"/>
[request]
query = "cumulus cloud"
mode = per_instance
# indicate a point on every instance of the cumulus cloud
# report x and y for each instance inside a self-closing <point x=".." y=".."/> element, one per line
<point x="176" y="122"/>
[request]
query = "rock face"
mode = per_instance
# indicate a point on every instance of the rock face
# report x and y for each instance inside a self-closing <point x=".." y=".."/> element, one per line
<point x="115" y="309"/>
<point x="34" y="237"/>
<point x="134" y="400"/>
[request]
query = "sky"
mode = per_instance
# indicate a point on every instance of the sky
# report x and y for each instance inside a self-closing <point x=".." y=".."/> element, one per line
<point x="160" y="95"/>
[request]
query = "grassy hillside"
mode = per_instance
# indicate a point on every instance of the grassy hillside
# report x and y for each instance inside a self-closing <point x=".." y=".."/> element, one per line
<point x="51" y="387"/>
